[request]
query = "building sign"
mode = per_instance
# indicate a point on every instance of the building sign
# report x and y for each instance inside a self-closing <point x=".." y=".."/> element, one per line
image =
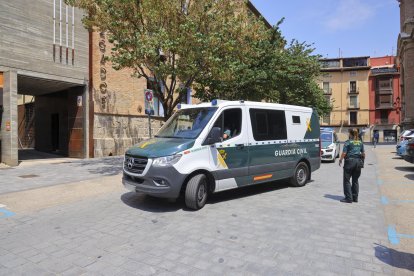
<point x="149" y="101"/>
<point x="103" y="87"/>
<point x="385" y="70"/>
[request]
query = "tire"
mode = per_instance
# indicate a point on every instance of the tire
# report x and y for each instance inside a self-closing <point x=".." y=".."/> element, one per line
<point x="196" y="192"/>
<point x="301" y="175"/>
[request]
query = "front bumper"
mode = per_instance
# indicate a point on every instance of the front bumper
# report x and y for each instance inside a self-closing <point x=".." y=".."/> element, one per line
<point x="327" y="155"/>
<point x="165" y="182"/>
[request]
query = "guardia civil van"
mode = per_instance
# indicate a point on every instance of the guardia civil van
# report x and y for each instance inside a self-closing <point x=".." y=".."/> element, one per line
<point x="212" y="147"/>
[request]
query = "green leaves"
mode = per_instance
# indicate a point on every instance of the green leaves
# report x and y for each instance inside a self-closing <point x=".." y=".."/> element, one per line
<point x="218" y="48"/>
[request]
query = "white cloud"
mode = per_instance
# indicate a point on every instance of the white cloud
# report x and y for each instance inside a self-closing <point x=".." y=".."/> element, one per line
<point x="349" y="14"/>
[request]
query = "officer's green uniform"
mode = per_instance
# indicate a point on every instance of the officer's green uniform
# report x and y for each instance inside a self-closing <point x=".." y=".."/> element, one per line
<point x="353" y="150"/>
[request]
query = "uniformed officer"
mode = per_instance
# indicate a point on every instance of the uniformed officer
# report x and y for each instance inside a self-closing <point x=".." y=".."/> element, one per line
<point x="353" y="152"/>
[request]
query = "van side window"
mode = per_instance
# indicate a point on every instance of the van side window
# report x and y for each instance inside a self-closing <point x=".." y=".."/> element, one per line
<point x="230" y="122"/>
<point x="268" y="124"/>
<point x="296" y="119"/>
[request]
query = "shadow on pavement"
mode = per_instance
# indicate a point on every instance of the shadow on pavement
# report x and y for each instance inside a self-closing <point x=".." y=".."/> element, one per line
<point x="107" y="166"/>
<point x="394" y="257"/>
<point x="153" y="204"/>
<point x="150" y="204"/>
<point x="334" y="197"/>
<point x="247" y="191"/>
<point x="405" y="169"/>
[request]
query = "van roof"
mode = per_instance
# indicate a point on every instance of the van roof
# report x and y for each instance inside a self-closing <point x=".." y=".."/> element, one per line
<point x="223" y="103"/>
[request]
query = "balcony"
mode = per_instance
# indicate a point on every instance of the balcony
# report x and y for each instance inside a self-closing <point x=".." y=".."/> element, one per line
<point x="353" y="90"/>
<point x="353" y="106"/>
<point x="385" y="121"/>
<point x="327" y="91"/>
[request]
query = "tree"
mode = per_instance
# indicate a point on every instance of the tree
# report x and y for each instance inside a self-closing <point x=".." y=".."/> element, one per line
<point x="218" y="48"/>
<point x="175" y="43"/>
<point x="272" y="71"/>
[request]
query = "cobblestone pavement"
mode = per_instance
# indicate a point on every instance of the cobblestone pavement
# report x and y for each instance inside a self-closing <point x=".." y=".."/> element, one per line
<point x="268" y="229"/>
<point x="48" y="172"/>
<point x="396" y="185"/>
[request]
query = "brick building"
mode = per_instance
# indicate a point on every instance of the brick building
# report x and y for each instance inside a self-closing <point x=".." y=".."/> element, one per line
<point x="406" y="61"/>
<point x="384" y="98"/>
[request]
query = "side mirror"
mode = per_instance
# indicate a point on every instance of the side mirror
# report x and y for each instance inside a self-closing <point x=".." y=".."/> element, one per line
<point x="213" y="137"/>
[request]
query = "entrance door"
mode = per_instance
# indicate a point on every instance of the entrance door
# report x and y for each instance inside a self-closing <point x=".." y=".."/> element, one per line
<point x="55" y="131"/>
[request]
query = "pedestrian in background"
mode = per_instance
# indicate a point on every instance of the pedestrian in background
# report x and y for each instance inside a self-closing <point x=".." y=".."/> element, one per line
<point x="376" y="138"/>
<point x="354" y="155"/>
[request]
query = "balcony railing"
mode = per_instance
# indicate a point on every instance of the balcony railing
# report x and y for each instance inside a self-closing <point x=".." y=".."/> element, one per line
<point x="353" y="91"/>
<point x="353" y="106"/>
<point x="327" y="91"/>
<point x="385" y="121"/>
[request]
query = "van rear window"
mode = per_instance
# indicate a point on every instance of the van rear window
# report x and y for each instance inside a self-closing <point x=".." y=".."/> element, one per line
<point x="268" y="124"/>
<point x="296" y="119"/>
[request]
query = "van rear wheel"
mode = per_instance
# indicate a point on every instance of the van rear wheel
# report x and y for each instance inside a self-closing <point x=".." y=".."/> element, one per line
<point x="301" y="175"/>
<point x="196" y="192"/>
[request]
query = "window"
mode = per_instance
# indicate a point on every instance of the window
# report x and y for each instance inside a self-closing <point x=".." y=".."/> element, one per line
<point x="326" y="88"/>
<point x="353" y="101"/>
<point x="355" y="62"/>
<point x="352" y="87"/>
<point x="187" y="123"/>
<point x="268" y="124"/>
<point x="230" y="122"/>
<point x="353" y="118"/>
<point x="329" y="63"/>
<point x="157" y="106"/>
<point x="296" y="119"/>
<point x="326" y="119"/>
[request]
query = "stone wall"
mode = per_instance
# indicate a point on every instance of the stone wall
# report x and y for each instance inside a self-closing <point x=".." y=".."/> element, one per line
<point x="113" y="134"/>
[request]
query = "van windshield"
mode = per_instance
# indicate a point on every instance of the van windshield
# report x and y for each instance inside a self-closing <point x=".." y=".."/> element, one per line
<point x="187" y="123"/>
<point x="326" y="137"/>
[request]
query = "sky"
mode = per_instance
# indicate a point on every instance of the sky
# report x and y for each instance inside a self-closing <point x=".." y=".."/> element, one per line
<point x="349" y="28"/>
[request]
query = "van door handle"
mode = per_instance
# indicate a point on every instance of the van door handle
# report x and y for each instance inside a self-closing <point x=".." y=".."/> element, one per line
<point x="239" y="146"/>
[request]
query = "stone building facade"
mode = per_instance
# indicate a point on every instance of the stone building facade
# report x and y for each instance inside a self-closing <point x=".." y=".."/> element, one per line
<point x="43" y="53"/>
<point x="406" y="61"/>
<point x="384" y="98"/>
<point x="345" y="85"/>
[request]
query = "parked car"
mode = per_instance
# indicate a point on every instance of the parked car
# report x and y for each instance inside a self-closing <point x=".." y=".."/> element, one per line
<point x="409" y="155"/>
<point x="401" y="148"/>
<point x="329" y="145"/>
<point x="407" y="134"/>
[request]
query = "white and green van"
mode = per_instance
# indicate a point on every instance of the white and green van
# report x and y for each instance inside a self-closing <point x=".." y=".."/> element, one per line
<point x="212" y="147"/>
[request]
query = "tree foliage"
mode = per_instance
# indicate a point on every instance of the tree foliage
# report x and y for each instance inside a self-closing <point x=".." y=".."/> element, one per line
<point x="218" y="48"/>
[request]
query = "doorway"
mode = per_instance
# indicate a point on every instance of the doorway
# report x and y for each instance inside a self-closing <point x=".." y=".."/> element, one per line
<point x="54" y="127"/>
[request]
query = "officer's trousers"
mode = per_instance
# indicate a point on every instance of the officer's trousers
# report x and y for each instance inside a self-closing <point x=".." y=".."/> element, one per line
<point x="351" y="170"/>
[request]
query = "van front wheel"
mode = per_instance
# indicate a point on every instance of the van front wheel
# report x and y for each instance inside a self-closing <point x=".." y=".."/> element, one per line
<point x="196" y="192"/>
<point x="301" y="175"/>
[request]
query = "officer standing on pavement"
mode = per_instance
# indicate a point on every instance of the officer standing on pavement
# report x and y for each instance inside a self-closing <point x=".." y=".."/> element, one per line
<point x="354" y="155"/>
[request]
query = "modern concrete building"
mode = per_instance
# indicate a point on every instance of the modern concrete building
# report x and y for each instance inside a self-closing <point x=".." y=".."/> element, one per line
<point x="384" y="98"/>
<point x="43" y="53"/>
<point x="345" y="84"/>
<point x="406" y="61"/>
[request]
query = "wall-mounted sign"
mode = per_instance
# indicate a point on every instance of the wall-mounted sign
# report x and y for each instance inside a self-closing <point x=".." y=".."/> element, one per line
<point x="8" y="126"/>
<point x="149" y="103"/>
<point x="102" y="72"/>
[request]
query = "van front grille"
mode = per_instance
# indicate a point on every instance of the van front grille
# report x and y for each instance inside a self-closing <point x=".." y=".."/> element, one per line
<point x="134" y="164"/>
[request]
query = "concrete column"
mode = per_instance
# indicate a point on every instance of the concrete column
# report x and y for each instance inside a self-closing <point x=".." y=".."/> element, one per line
<point x="9" y="128"/>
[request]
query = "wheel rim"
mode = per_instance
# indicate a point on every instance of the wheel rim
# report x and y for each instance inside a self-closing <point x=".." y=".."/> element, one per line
<point x="201" y="192"/>
<point x="301" y="175"/>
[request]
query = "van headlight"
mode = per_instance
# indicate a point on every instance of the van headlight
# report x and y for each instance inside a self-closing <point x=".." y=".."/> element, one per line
<point x="166" y="160"/>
